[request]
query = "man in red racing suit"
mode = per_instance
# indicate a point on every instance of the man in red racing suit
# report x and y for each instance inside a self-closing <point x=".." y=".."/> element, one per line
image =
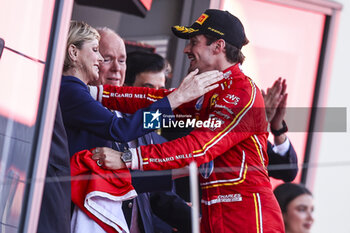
<point x="231" y="149"/>
<point x="236" y="191"/>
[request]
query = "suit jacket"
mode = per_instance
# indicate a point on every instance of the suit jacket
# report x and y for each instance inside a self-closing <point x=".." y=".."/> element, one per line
<point x="155" y="197"/>
<point x="55" y="207"/>
<point x="88" y="124"/>
<point x="282" y="167"/>
<point x="173" y="210"/>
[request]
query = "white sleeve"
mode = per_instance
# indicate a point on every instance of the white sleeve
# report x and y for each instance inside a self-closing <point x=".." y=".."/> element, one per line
<point x="136" y="159"/>
<point x="283" y="148"/>
<point x="96" y="92"/>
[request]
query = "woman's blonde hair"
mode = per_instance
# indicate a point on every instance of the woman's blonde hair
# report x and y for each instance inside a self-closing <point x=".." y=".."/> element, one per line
<point x="79" y="32"/>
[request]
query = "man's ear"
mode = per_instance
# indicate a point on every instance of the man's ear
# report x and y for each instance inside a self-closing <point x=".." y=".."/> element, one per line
<point x="73" y="52"/>
<point x="219" y="46"/>
<point x="285" y="217"/>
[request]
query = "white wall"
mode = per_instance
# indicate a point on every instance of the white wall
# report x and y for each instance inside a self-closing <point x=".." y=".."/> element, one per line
<point x="332" y="182"/>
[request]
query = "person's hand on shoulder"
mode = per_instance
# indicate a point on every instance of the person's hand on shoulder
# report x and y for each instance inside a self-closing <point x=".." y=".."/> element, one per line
<point x="194" y="86"/>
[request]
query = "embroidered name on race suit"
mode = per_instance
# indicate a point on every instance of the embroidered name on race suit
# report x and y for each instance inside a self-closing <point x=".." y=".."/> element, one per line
<point x="224" y="198"/>
<point x="206" y="169"/>
<point x="128" y="95"/>
<point x="231" y="99"/>
<point x="168" y="159"/>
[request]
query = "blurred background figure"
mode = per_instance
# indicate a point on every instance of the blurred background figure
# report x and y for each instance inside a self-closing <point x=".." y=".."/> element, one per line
<point x="297" y="207"/>
<point x="148" y="69"/>
<point x="145" y="70"/>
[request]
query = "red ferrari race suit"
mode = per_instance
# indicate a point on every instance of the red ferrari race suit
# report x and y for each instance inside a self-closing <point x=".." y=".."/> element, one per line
<point x="236" y="190"/>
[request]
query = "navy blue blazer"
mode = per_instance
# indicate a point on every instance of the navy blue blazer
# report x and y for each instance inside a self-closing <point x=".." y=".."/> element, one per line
<point x="88" y="124"/>
<point x="173" y="210"/>
<point x="282" y="167"/>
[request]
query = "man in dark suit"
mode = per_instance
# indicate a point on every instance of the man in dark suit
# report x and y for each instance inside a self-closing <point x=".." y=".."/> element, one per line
<point x="56" y="201"/>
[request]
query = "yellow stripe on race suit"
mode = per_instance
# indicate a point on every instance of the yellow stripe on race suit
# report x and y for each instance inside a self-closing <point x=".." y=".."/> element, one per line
<point x="256" y="214"/>
<point x="228" y="128"/>
<point x="106" y="92"/>
<point x="259" y="151"/>
<point x="230" y="183"/>
<point x="155" y="97"/>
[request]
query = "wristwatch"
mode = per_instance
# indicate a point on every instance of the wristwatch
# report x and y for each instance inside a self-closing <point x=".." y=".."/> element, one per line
<point x="126" y="156"/>
<point x="280" y="131"/>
